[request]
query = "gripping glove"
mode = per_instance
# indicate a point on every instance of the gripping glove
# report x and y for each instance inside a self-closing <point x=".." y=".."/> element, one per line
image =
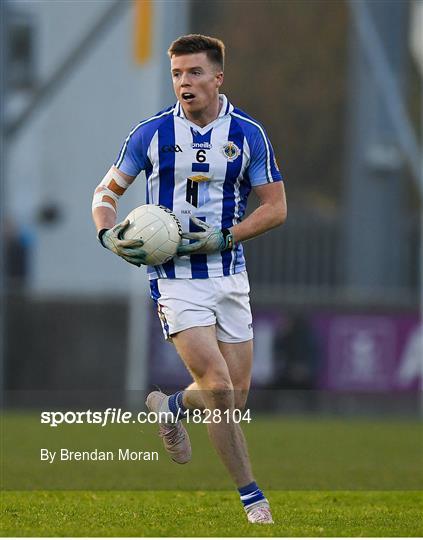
<point x="130" y="250"/>
<point x="208" y="240"/>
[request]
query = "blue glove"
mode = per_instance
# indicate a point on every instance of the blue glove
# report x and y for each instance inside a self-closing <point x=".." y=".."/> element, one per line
<point x="209" y="240"/>
<point x="130" y="250"/>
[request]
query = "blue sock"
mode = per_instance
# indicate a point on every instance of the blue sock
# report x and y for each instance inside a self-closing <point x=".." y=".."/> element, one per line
<point x="175" y="404"/>
<point x="251" y="495"/>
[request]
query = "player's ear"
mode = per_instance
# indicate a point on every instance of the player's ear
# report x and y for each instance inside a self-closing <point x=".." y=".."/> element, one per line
<point x="219" y="78"/>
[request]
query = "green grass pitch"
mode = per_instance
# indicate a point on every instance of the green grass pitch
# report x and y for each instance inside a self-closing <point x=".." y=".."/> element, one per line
<point x="170" y="513"/>
<point x="323" y="477"/>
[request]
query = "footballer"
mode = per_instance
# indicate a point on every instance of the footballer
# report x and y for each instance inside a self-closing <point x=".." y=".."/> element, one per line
<point x="202" y="157"/>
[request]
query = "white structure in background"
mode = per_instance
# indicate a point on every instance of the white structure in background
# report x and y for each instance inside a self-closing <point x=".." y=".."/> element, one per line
<point x="66" y="147"/>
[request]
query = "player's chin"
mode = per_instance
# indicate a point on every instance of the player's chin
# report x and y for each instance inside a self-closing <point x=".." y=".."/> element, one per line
<point x="188" y="104"/>
<point x="192" y="104"/>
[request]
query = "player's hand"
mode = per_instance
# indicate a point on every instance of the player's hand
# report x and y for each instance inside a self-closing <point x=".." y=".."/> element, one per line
<point x="130" y="250"/>
<point x="208" y="240"/>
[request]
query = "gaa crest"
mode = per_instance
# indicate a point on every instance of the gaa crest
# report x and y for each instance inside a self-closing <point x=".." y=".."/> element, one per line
<point x="231" y="151"/>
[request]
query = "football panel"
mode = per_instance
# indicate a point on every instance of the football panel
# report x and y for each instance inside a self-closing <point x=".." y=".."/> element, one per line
<point x="154" y="236"/>
<point x="174" y="230"/>
<point x="149" y="231"/>
<point x="163" y="251"/>
<point x="139" y="224"/>
<point x="158" y="258"/>
<point x="169" y="219"/>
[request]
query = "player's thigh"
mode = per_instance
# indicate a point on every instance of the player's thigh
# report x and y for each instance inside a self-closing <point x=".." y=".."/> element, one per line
<point x="234" y="322"/>
<point x="239" y="359"/>
<point x="200" y="352"/>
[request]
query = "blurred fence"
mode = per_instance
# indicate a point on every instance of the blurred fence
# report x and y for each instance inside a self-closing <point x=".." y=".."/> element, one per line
<point x="302" y="263"/>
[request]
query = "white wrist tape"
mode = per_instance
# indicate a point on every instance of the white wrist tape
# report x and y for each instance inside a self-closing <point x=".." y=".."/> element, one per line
<point x="109" y="190"/>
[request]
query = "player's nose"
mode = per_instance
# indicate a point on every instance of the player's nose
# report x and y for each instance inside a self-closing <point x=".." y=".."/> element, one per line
<point x="185" y="80"/>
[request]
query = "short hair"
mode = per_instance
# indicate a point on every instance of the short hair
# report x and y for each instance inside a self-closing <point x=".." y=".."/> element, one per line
<point x="196" y="43"/>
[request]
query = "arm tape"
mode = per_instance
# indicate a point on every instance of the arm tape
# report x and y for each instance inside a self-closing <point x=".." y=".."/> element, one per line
<point x="109" y="190"/>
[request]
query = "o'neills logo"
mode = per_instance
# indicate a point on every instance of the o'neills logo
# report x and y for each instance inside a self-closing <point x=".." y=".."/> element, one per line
<point x="200" y="145"/>
<point x="231" y="151"/>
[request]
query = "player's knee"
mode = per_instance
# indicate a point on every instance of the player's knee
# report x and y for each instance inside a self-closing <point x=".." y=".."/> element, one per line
<point x="240" y="398"/>
<point x="218" y="393"/>
<point x="221" y="398"/>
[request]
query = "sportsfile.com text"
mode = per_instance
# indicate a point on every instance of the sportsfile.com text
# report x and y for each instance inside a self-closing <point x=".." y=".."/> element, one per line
<point x="114" y="415"/>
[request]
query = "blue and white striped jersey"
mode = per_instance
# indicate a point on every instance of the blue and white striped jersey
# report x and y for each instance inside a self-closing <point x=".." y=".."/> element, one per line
<point x="205" y="172"/>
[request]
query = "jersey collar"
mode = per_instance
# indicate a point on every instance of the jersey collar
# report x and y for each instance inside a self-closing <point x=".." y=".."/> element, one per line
<point x="226" y="108"/>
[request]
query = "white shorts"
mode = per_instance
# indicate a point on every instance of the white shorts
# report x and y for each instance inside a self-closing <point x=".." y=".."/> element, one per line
<point x="222" y="301"/>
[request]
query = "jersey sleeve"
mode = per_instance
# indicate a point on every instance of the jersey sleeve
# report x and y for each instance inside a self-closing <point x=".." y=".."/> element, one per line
<point x="132" y="158"/>
<point x="263" y="168"/>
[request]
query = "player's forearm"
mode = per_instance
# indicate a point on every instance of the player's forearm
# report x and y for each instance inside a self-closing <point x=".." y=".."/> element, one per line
<point x="106" y="197"/>
<point x="104" y="218"/>
<point x="267" y="216"/>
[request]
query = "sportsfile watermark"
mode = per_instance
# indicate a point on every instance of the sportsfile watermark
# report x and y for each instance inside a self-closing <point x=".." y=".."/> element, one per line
<point x="113" y="415"/>
<point x="95" y="445"/>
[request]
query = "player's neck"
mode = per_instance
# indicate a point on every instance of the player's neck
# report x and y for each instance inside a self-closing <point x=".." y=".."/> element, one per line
<point x="206" y="116"/>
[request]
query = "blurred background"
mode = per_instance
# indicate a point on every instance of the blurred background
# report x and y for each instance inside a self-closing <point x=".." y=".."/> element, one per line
<point x="335" y="292"/>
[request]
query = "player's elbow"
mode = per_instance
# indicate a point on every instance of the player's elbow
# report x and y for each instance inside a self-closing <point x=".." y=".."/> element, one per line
<point x="279" y="215"/>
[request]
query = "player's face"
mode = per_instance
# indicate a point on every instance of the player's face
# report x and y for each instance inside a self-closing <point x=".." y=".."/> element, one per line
<point x="196" y="82"/>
